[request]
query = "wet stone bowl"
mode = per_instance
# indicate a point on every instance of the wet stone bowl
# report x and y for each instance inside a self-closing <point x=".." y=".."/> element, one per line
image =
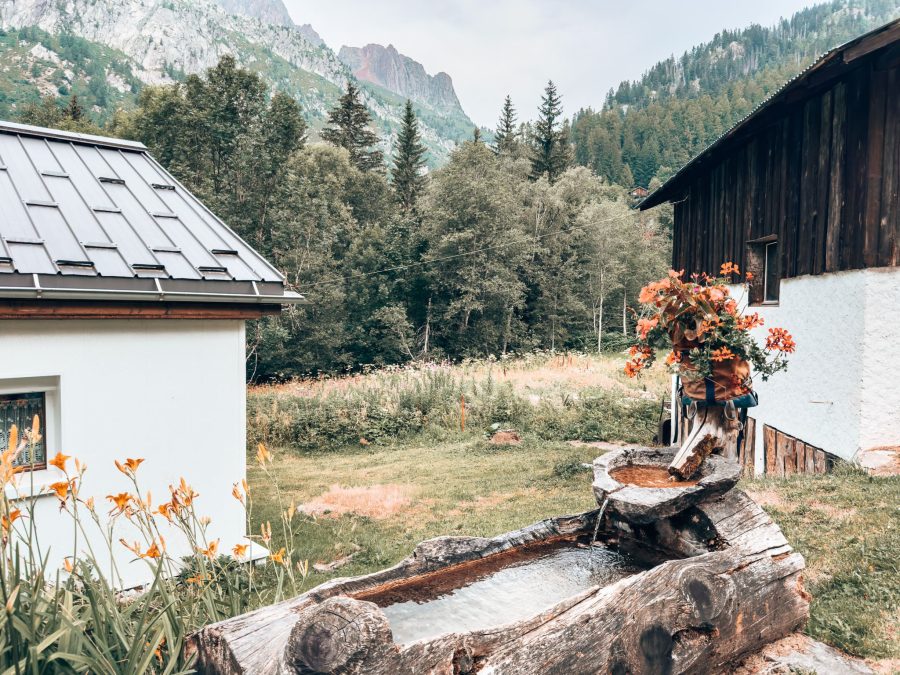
<point x="644" y="503"/>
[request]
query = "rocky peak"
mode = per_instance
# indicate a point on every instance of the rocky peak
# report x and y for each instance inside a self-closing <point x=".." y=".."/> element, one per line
<point x="271" y="12"/>
<point x="388" y="68"/>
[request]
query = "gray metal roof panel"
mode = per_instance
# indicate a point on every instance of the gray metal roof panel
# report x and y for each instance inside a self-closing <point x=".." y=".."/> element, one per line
<point x="108" y="209"/>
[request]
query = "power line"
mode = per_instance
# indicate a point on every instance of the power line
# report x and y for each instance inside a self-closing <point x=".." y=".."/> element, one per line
<point x="422" y="263"/>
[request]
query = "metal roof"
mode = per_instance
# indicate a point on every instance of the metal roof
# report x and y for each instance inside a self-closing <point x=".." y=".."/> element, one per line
<point x="87" y="217"/>
<point x="859" y="46"/>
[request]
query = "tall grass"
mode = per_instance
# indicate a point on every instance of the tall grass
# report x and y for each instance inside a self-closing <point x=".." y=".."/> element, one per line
<point x="75" y="620"/>
<point x="397" y="403"/>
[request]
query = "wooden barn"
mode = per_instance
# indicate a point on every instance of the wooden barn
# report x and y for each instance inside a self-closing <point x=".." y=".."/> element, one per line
<point x="803" y="193"/>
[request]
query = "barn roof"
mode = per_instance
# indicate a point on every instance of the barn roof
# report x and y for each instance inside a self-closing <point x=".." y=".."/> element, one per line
<point x="86" y="217"/>
<point x="828" y="66"/>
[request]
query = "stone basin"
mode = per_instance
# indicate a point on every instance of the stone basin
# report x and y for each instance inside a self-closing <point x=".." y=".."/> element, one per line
<point x="641" y="504"/>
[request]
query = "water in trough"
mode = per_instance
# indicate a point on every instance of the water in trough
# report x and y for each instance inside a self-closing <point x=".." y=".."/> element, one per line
<point x="500" y="589"/>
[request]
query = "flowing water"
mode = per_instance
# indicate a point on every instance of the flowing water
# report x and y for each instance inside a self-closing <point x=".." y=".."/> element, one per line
<point x="597" y="525"/>
<point x="502" y="588"/>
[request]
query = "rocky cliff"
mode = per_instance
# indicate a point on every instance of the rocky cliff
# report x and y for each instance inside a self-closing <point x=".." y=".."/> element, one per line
<point x="159" y="41"/>
<point x="270" y="11"/>
<point x="388" y="68"/>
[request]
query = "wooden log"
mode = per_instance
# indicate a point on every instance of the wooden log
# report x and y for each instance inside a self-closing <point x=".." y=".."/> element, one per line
<point x="809" y="454"/>
<point x="690" y="615"/>
<point x="821" y="463"/>
<point x="712" y="432"/>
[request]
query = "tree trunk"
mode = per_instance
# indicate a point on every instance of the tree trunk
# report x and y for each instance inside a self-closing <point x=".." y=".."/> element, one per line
<point x="738" y="589"/>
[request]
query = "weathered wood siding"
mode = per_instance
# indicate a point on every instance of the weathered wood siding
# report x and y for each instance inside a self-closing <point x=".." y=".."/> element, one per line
<point x="821" y="172"/>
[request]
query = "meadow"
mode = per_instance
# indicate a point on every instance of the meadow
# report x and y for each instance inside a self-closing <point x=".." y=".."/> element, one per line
<point x="364" y="493"/>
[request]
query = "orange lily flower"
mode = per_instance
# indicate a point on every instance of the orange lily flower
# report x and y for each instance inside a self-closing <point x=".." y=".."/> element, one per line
<point x="278" y="557"/>
<point x="61" y="489"/>
<point x="59" y="461"/>
<point x="120" y="500"/>
<point x="240" y="550"/>
<point x="7" y="521"/>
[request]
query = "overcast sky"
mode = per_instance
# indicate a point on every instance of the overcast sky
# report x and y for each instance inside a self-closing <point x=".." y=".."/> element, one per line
<point x="496" y="47"/>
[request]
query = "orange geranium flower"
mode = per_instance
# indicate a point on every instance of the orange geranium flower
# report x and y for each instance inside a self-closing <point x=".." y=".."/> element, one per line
<point x="59" y="461"/>
<point x="728" y="268"/>
<point x="749" y="321"/>
<point x="240" y="550"/>
<point x="644" y="326"/>
<point x="780" y="340"/>
<point x="673" y="358"/>
<point x="722" y="354"/>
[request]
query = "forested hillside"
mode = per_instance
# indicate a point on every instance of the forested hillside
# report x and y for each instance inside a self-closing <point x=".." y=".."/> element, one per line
<point x="650" y="127"/>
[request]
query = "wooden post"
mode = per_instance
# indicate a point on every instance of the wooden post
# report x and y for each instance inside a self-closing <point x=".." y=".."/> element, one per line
<point x="711" y="431"/>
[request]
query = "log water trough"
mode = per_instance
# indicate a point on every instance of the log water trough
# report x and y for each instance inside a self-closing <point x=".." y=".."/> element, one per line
<point x="684" y="577"/>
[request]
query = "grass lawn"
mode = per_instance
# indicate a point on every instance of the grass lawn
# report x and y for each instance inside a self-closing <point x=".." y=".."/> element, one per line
<point x="381" y="501"/>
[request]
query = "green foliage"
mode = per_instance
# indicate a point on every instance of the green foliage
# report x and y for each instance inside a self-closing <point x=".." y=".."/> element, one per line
<point x="409" y="161"/>
<point x="570" y="468"/>
<point x="506" y="138"/>
<point x="651" y="127"/>
<point x="400" y="403"/>
<point x="550" y="141"/>
<point x="348" y="128"/>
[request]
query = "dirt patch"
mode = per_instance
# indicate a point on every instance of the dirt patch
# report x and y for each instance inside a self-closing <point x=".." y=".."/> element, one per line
<point x="506" y="437"/>
<point x="886" y="666"/>
<point x="373" y="501"/>
<point x="648" y="476"/>
<point x="768" y="498"/>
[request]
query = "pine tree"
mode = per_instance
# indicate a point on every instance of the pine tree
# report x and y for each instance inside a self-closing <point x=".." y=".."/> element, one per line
<point x="550" y="152"/>
<point x="409" y="160"/>
<point x="73" y="110"/>
<point x="506" y="140"/>
<point x="476" y="135"/>
<point x="348" y="128"/>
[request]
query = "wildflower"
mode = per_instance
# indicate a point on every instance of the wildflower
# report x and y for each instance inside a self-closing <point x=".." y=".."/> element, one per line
<point x="278" y="557"/>
<point x="89" y="503"/>
<point x="61" y="489"/>
<point x="262" y="454"/>
<point x="68" y="566"/>
<point x="266" y="529"/>
<point x="728" y="269"/>
<point x="59" y="461"/>
<point x="209" y="551"/>
<point x="13" y="439"/>
<point x="35" y="429"/>
<point x="722" y="354"/>
<point x="240" y="550"/>
<point x="134" y="548"/>
<point x="198" y="579"/>
<point x="130" y="467"/>
<point x="7" y="521"/>
<point x="120" y="500"/>
<point x="292" y="509"/>
<point x="780" y="340"/>
<point x="165" y="510"/>
<point x="186" y="493"/>
<point x="673" y="358"/>
<point x="633" y="367"/>
<point x="236" y="493"/>
<point x="152" y="552"/>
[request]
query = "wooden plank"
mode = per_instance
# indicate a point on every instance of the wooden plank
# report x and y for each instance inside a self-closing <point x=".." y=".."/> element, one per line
<point x="808" y="157"/>
<point x="821" y="463"/>
<point x="781" y="465"/>
<point x="71" y="309"/>
<point x="748" y="448"/>
<point x="837" y="160"/>
<point x="823" y="181"/>
<point x="786" y="445"/>
<point x="857" y="167"/>
<point x="770" y="449"/>
<point x="889" y="246"/>
<point x="799" y="454"/>
<point x="809" y="453"/>
<point x="874" y="230"/>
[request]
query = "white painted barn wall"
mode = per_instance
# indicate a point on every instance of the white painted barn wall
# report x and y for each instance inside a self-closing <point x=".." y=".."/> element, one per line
<point x="840" y="391"/>
<point x="880" y="414"/>
<point x="170" y="391"/>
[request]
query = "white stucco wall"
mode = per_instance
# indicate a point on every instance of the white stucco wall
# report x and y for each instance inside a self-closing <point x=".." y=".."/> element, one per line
<point x="840" y="391"/>
<point x="170" y="391"/>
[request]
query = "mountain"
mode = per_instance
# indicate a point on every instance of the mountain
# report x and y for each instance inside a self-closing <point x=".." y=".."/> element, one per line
<point x="388" y="68"/>
<point x="649" y="127"/>
<point x="160" y="41"/>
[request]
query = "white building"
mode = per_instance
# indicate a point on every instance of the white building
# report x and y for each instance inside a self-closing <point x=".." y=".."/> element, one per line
<point x="804" y="193"/>
<point x="122" y="309"/>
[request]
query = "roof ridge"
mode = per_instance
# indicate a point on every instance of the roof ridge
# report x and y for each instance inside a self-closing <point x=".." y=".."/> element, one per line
<point x="73" y="136"/>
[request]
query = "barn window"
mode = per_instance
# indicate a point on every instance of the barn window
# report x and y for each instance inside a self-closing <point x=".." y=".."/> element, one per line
<point x="771" y="281"/>
<point x="764" y="266"/>
<point x="19" y="410"/>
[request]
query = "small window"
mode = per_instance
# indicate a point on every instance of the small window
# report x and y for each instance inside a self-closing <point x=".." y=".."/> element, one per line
<point x="763" y="267"/>
<point x="20" y="410"/>
<point x="771" y="280"/>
